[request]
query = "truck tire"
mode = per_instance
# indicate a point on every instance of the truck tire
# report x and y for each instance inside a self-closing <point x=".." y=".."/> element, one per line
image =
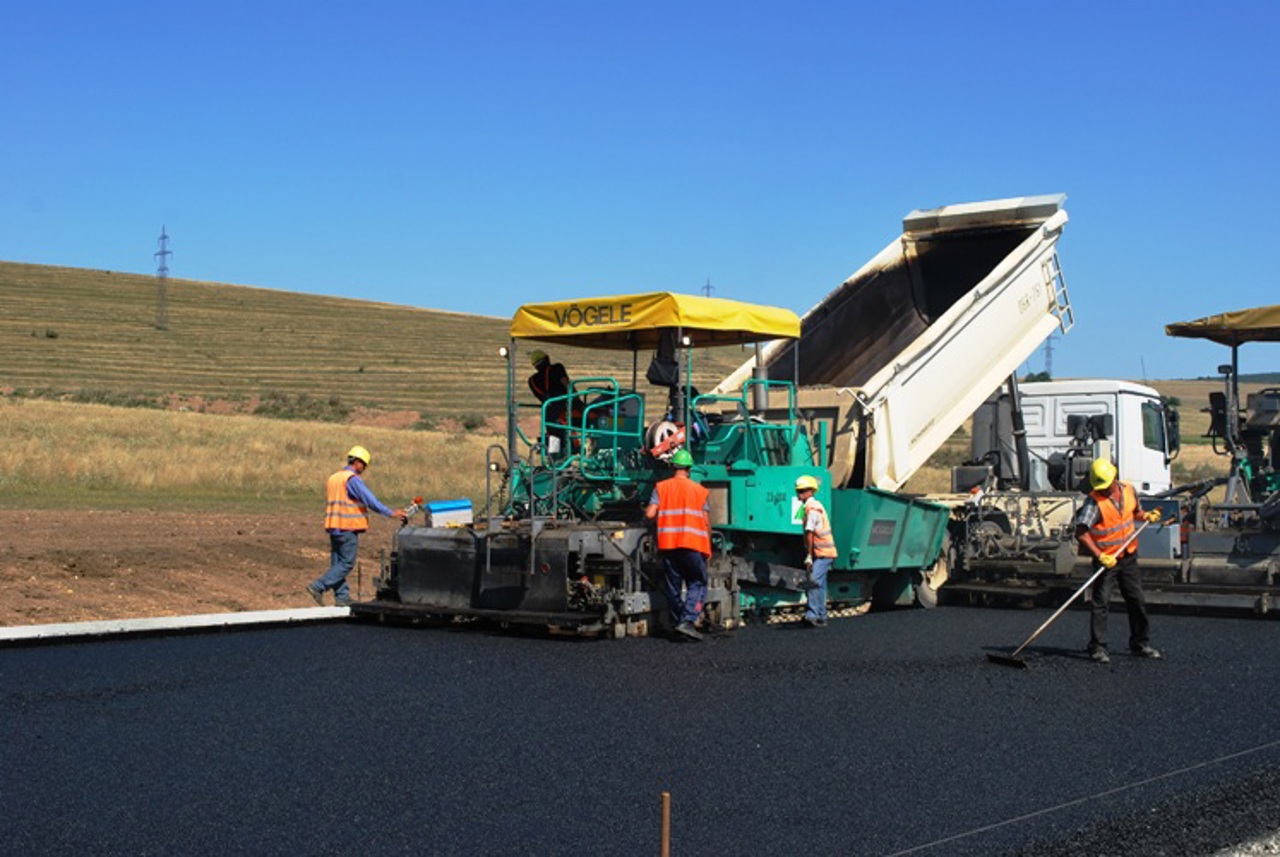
<point x="929" y="581"/>
<point x="926" y="595"/>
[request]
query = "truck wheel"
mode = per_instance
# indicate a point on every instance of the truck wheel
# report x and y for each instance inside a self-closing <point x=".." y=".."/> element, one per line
<point x="926" y="595"/>
<point x="930" y="580"/>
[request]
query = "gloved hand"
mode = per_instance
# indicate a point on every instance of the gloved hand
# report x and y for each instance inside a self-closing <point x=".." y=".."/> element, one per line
<point x="1153" y="516"/>
<point x="1107" y="560"/>
<point x="808" y="563"/>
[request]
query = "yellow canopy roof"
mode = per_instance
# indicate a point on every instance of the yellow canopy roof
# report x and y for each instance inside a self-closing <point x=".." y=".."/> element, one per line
<point x="1261" y="324"/>
<point x="634" y="321"/>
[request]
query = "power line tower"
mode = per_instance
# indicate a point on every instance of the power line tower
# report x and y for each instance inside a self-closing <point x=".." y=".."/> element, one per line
<point x="1048" y="355"/>
<point x="162" y="282"/>
<point x="708" y="288"/>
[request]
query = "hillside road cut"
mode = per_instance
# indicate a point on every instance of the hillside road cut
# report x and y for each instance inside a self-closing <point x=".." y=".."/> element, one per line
<point x="884" y="734"/>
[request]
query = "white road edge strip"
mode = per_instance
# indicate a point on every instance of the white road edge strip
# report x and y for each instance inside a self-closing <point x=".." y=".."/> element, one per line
<point x="169" y="623"/>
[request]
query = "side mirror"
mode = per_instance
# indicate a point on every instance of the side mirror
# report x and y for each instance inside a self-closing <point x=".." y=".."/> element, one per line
<point x="1172" y="433"/>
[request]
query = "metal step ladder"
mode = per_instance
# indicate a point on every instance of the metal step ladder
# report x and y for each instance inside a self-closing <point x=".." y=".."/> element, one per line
<point x="1051" y="270"/>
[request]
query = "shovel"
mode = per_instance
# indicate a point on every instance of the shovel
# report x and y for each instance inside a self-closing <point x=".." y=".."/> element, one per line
<point x="1013" y="660"/>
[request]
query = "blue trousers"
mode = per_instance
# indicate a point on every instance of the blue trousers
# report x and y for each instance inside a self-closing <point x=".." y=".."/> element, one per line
<point x="343" y="546"/>
<point x="816" y="601"/>
<point x="688" y="569"/>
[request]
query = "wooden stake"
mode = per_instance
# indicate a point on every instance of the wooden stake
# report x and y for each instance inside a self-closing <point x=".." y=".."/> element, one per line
<point x="665" y="850"/>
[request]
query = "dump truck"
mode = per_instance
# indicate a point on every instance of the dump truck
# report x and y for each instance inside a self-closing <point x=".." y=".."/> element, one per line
<point x="898" y="356"/>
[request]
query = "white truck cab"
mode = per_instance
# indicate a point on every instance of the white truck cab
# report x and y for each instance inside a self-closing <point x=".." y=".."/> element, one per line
<point x="1068" y="424"/>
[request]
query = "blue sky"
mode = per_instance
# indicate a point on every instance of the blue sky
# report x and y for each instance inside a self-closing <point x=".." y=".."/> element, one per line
<point x="476" y="155"/>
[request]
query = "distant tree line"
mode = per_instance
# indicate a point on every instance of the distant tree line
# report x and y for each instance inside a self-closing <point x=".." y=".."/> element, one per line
<point x="1255" y="378"/>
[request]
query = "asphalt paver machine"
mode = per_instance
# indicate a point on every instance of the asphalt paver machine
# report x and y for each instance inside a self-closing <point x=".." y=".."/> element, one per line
<point x="562" y="541"/>
<point x="1230" y="556"/>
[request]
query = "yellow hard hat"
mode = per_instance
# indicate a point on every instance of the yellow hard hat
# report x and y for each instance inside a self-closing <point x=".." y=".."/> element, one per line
<point x="806" y="483"/>
<point x="536" y="357"/>
<point x="1102" y="474"/>
<point x="358" y="452"/>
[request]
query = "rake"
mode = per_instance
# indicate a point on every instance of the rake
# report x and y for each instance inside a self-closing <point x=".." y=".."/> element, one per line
<point x="1014" y="660"/>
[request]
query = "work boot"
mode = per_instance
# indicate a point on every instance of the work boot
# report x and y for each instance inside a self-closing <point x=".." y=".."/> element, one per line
<point x="813" y="623"/>
<point x="316" y="596"/>
<point x="1145" y="651"/>
<point x="1101" y="656"/>
<point x="687" y="629"/>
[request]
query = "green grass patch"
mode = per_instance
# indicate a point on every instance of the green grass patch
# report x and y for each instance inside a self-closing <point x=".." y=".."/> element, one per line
<point x="282" y="406"/>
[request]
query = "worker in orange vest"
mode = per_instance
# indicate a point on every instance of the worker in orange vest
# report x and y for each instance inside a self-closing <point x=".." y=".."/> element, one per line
<point x="1105" y="521"/>
<point x="679" y="505"/>
<point x="550" y="382"/>
<point x="819" y="551"/>
<point x="346" y="515"/>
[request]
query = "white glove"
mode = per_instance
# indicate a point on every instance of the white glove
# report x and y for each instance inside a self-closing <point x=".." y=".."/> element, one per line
<point x="808" y="563"/>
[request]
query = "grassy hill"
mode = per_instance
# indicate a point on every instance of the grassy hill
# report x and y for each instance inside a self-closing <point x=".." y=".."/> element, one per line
<point x="90" y="335"/>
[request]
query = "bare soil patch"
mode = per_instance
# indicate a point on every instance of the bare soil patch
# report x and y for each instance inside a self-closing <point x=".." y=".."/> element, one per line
<point x="84" y="566"/>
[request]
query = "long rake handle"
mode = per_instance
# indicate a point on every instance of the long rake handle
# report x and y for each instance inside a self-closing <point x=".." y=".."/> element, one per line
<point x="1101" y="568"/>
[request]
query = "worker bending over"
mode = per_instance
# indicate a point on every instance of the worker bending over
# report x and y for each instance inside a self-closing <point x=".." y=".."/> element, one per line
<point x="346" y="515"/>
<point x="684" y="540"/>
<point x="1105" y="521"/>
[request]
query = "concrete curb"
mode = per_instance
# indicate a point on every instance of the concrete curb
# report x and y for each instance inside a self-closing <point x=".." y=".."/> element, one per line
<point x="81" y="631"/>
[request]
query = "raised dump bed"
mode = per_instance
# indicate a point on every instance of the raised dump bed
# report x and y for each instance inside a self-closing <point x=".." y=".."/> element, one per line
<point x="903" y="351"/>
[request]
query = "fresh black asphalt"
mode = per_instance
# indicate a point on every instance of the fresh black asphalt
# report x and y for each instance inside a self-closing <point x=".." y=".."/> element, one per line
<point x="880" y="734"/>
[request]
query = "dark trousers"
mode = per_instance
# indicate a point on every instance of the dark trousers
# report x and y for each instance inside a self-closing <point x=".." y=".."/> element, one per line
<point x="1125" y="573"/>
<point x="687" y="569"/>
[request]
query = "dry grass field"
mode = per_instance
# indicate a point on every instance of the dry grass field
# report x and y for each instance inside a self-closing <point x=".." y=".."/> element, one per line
<point x="69" y="455"/>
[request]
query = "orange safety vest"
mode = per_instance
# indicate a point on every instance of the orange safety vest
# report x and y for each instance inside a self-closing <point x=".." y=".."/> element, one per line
<point x="340" y="511"/>
<point x="682" y="515"/>
<point x="1115" y="524"/>
<point x="824" y="544"/>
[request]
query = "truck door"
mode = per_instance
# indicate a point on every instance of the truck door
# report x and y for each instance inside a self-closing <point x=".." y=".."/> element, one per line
<point x="1150" y="447"/>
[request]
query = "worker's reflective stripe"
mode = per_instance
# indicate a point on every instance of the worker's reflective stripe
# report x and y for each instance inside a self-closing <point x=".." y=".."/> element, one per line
<point x="666" y="513"/>
<point x="682" y="516"/>
<point x="824" y="544"/>
<point x="340" y="511"/>
<point x="1115" y="525"/>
